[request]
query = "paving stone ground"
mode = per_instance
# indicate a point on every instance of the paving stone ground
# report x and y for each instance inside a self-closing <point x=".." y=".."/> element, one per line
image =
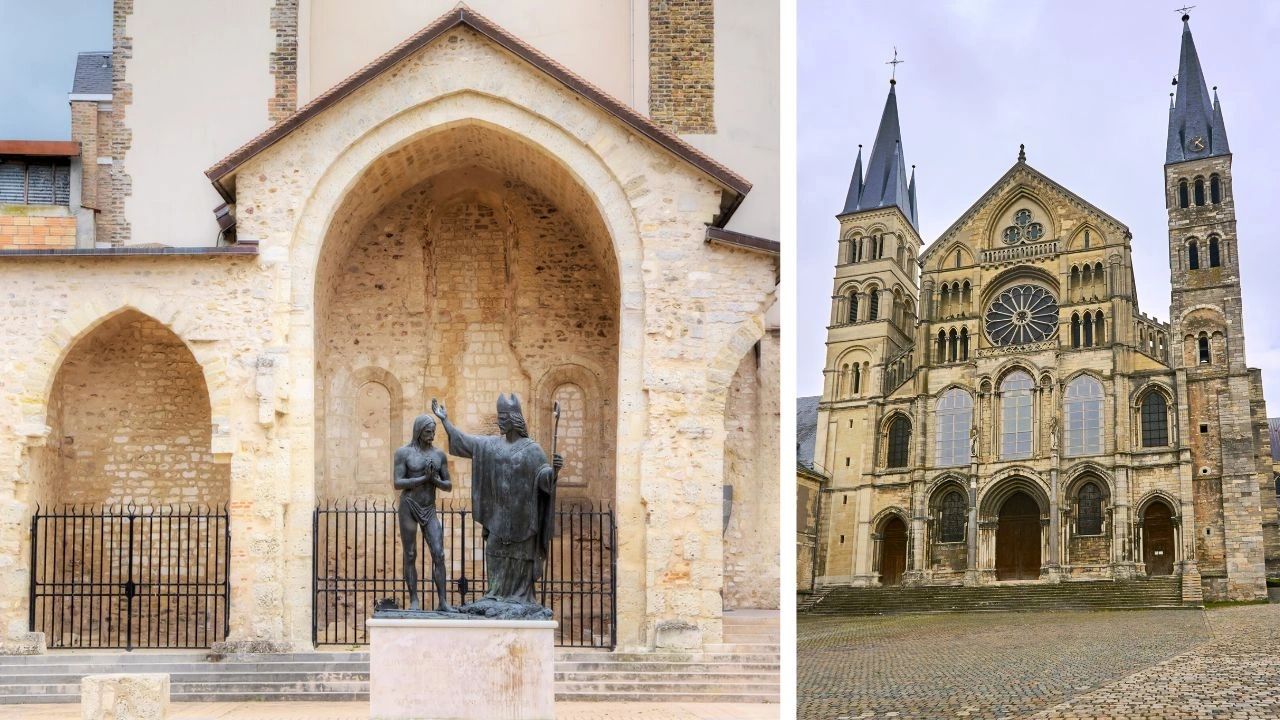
<point x="1013" y="665"/>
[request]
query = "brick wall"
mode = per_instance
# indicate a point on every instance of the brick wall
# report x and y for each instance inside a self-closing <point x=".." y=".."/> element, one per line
<point x="113" y="228"/>
<point x="30" y="232"/>
<point x="284" y="60"/>
<point x="682" y="65"/>
<point x="84" y="130"/>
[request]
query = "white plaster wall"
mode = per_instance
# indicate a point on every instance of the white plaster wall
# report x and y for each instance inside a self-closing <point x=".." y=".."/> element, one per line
<point x="592" y="38"/>
<point x="201" y="82"/>
<point x="747" y="109"/>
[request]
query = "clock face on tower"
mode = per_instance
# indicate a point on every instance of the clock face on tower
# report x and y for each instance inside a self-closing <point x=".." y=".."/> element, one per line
<point x="1022" y="314"/>
<point x="1195" y="144"/>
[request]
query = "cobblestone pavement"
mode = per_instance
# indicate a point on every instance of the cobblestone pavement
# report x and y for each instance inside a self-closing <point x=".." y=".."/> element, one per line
<point x="983" y="665"/>
<point x="1235" y="675"/>
<point x="360" y="711"/>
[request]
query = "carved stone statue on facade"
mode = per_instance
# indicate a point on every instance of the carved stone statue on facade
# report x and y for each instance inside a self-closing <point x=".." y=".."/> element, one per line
<point x="513" y="490"/>
<point x="419" y="469"/>
<point x="973" y="442"/>
<point x="1053" y="433"/>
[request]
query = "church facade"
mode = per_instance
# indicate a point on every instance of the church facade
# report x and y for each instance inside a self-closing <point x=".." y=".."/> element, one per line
<point x="997" y="408"/>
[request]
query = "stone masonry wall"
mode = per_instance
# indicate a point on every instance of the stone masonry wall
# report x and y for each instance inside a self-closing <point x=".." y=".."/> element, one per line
<point x="462" y="299"/>
<point x="682" y="65"/>
<point x="135" y="420"/>
<point x="113" y="228"/>
<point x="84" y="130"/>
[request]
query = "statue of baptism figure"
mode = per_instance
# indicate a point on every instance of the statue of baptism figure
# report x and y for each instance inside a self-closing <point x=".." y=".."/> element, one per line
<point x="513" y="491"/>
<point x="419" y="469"/>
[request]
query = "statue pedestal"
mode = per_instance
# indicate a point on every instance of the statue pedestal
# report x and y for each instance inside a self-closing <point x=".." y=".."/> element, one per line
<point x="425" y="669"/>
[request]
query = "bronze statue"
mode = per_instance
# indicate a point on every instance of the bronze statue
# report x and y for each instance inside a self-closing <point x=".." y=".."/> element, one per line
<point x="513" y="498"/>
<point x="421" y="468"/>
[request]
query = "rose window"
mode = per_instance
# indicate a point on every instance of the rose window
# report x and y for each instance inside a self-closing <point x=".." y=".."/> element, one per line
<point x="1022" y="229"/>
<point x="1022" y="314"/>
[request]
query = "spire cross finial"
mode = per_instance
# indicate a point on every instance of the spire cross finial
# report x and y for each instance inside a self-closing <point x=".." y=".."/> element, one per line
<point x="1184" y="11"/>
<point x="895" y="62"/>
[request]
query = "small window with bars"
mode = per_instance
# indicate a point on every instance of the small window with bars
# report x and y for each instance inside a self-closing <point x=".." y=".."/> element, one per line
<point x="35" y="181"/>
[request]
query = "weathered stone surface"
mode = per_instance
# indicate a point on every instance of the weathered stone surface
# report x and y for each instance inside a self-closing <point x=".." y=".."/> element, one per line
<point x="461" y="670"/>
<point x="143" y="696"/>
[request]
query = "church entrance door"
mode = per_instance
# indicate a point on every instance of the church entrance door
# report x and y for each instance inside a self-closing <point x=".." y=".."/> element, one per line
<point x="893" y="552"/>
<point x="1157" y="539"/>
<point x="1018" y="539"/>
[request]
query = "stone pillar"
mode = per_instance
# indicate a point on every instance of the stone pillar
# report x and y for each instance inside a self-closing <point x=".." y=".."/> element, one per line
<point x="971" y="528"/>
<point x="1055" y="518"/>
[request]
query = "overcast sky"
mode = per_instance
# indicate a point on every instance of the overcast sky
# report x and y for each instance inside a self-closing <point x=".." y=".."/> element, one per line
<point x="41" y="41"/>
<point x="1084" y="84"/>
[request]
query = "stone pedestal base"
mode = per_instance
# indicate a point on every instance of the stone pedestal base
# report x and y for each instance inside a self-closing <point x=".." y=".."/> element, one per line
<point x="461" y="669"/>
<point x="125" y="697"/>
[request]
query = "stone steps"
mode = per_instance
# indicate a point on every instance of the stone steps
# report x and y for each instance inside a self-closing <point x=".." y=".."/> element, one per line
<point x="1071" y="595"/>
<point x="734" y="672"/>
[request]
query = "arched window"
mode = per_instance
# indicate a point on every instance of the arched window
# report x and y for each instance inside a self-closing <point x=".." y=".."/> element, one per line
<point x="857" y="250"/>
<point x="942" y="346"/>
<point x="955" y="417"/>
<point x="1089" y="519"/>
<point x="1214" y="259"/>
<point x="873" y="311"/>
<point x="1015" y="415"/>
<point x="1075" y="330"/>
<point x="958" y="258"/>
<point x="1087" y="327"/>
<point x="1193" y="256"/>
<point x="946" y="299"/>
<point x="1082" y="411"/>
<point x="965" y="294"/>
<point x="953" y="345"/>
<point x="964" y="343"/>
<point x="1182" y="194"/>
<point x="1215" y="190"/>
<point x="953" y="517"/>
<point x="853" y="306"/>
<point x="899" y="441"/>
<point x="1074" y="282"/>
<point x="1099" y="329"/>
<point x="857" y="379"/>
<point x="1203" y="345"/>
<point x="1086" y="239"/>
<point x="1155" y="420"/>
<point x="1199" y="192"/>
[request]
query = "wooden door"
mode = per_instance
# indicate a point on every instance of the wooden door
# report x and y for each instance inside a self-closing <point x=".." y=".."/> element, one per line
<point x="893" y="552"/>
<point x="1018" y="539"/>
<point x="1157" y="539"/>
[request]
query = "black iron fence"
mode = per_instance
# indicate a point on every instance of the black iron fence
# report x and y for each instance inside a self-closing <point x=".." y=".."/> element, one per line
<point x="357" y="562"/>
<point x="130" y="577"/>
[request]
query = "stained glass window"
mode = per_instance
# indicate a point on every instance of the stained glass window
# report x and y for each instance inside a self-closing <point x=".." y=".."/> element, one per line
<point x="1083" y="416"/>
<point x="1022" y="229"/>
<point x="1089" y="521"/>
<point x="1022" y="314"/>
<point x="1155" y="420"/>
<point x="1015" y="415"/>
<point x="899" y="439"/>
<point x="955" y="417"/>
<point x="953" y="512"/>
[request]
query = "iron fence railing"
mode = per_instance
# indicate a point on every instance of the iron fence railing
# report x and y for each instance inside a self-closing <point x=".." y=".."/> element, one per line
<point x="357" y="562"/>
<point x="130" y="577"/>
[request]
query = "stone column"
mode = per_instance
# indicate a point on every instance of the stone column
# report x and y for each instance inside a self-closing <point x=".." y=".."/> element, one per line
<point x="971" y="528"/>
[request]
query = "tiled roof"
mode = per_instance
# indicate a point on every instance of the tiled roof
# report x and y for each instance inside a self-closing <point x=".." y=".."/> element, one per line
<point x="806" y="429"/>
<point x="1273" y="424"/>
<point x="93" y="74"/>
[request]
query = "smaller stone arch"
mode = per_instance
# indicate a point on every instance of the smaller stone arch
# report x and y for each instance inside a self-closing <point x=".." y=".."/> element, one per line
<point x="1006" y="484"/>
<point x="1012" y="365"/>
<point x="1154" y="496"/>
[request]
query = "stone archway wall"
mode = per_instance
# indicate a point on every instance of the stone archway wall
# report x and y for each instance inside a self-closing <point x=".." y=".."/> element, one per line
<point x="688" y="312"/>
<point x="130" y="421"/>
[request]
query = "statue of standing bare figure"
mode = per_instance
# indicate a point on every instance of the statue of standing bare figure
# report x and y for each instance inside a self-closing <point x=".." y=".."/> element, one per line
<point x="419" y="470"/>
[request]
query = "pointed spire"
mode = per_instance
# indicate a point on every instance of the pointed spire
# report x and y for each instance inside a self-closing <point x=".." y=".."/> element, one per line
<point x="855" y="184"/>
<point x="885" y="183"/>
<point x="1192" y="120"/>
<point x="1219" y="128"/>
<point x="911" y="192"/>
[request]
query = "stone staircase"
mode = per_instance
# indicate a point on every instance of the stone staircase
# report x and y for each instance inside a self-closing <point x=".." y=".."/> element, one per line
<point x="742" y="669"/>
<point x="806" y="600"/>
<point x="1163" y="592"/>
